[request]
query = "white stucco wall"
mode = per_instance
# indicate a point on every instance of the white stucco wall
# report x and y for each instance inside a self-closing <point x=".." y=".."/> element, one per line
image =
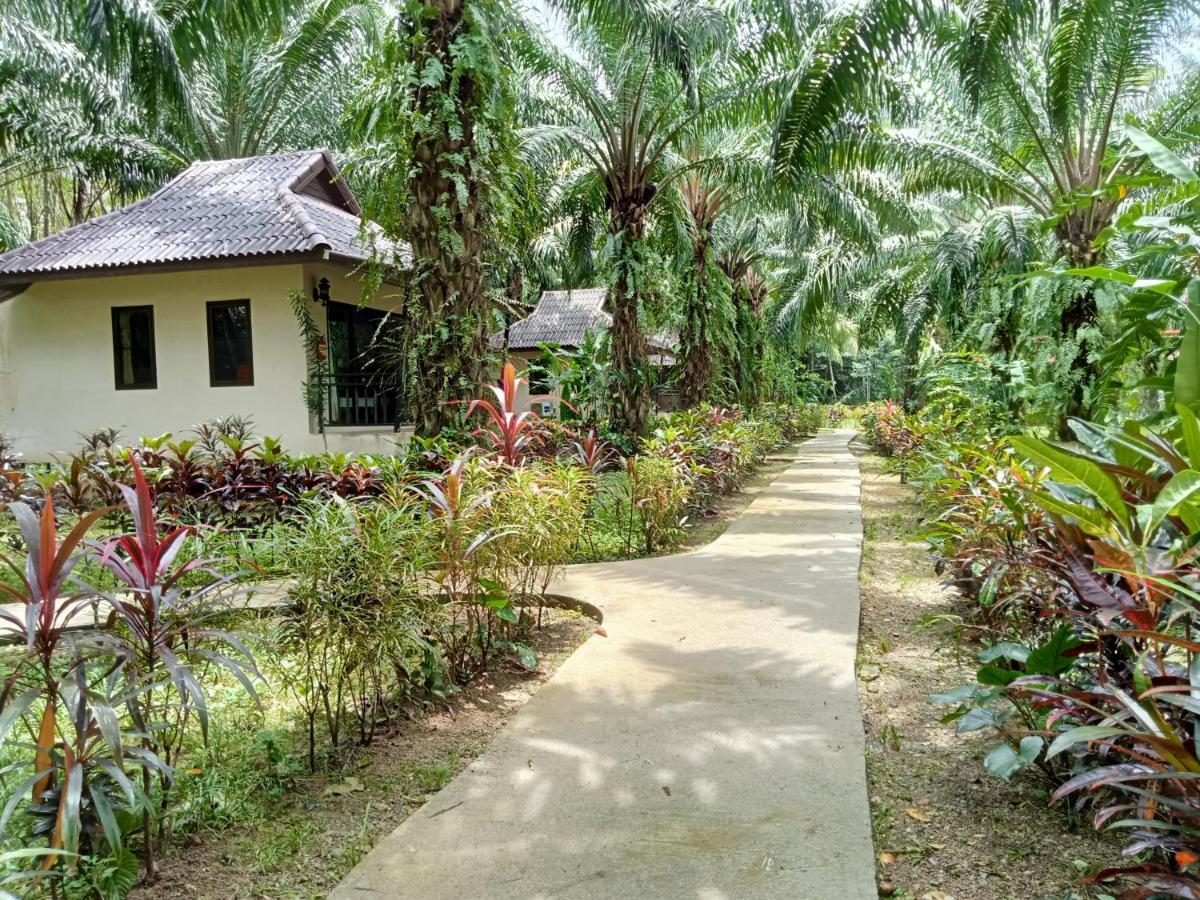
<point x="526" y="400"/>
<point x="56" y="359"/>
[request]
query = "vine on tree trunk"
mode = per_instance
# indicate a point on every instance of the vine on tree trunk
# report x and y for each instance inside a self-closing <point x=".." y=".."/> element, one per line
<point x="442" y="105"/>
<point x="631" y="377"/>
<point x="751" y="349"/>
<point x="709" y="340"/>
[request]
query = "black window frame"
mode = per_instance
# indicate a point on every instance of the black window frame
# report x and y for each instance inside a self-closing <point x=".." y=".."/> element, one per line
<point x="212" y="357"/>
<point x="151" y="385"/>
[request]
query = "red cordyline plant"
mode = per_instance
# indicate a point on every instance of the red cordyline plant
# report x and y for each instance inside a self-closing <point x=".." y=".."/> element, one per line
<point x="47" y="613"/>
<point x="512" y="434"/>
<point x="593" y="454"/>
<point x="461" y="535"/>
<point x="168" y="619"/>
<point x="718" y="415"/>
<point x="1107" y="705"/>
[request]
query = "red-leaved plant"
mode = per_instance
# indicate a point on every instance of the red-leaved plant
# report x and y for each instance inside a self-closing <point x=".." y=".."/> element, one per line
<point x="167" y="618"/>
<point x="510" y="433"/>
<point x="593" y="454"/>
<point x="48" y="610"/>
<point x="474" y="601"/>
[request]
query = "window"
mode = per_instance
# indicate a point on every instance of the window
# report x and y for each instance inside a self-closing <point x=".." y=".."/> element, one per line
<point x="133" y="347"/>
<point x="230" y="356"/>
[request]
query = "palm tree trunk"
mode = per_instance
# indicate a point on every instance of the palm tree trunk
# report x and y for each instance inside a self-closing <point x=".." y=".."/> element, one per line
<point x="695" y="344"/>
<point x="1077" y="240"/>
<point x="630" y="393"/>
<point x="447" y="305"/>
<point x="631" y="384"/>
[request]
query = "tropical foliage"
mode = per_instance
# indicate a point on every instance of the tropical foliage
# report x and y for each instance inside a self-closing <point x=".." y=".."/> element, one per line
<point x="978" y="217"/>
<point x="391" y="582"/>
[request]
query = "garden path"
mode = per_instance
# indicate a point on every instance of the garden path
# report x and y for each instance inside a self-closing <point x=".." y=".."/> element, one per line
<point x="710" y="747"/>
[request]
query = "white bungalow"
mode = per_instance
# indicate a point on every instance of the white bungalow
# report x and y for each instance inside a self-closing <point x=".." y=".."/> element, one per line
<point x="178" y="309"/>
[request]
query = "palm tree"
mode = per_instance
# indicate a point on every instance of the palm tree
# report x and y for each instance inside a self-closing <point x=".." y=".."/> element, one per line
<point x="811" y="66"/>
<point x="97" y="108"/>
<point x="73" y="129"/>
<point x="1028" y="109"/>
<point x="800" y="81"/>
<point x="741" y="246"/>
<point x="268" y="76"/>
<point x="729" y="171"/>
<point x="433" y="122"/>
<point x="615" y="117"/>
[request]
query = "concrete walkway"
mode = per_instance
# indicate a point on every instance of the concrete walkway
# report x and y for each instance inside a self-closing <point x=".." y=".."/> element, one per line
<point x="709" y="748"/>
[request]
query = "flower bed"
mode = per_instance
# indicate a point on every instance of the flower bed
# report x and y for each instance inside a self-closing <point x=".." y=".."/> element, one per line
<point x="409" y="575"/>
<point x="1079" y="567"/>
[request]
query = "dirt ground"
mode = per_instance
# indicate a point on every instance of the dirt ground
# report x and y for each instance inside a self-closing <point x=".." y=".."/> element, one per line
<point x="322" y="827"/>
<point x="943" y="827"/>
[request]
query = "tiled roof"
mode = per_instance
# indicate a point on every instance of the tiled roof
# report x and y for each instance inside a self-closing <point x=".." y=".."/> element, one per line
<point x="233" y="209"/>
<point x="561" y="317"/>
<point x="564" y="317"/>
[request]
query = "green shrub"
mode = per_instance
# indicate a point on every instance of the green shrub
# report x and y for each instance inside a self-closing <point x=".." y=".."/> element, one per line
<point x="538" y="513"/>
<point x="661" y="497"/>
<point x="356" y="635"/>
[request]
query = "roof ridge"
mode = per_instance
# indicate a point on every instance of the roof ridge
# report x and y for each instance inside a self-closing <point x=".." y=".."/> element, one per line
<point x="290" y="201"/>
<point x="280" y="154"/>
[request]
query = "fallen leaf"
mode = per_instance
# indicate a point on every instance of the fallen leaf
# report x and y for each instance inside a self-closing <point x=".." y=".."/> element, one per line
<point x="350" y="786"/>
<point x="666" y="790"/>
<point x="887" y="858"/>
<point x="886" y="889"/>
<point x="1184" y="858"/>
<point x="913" y="813"/>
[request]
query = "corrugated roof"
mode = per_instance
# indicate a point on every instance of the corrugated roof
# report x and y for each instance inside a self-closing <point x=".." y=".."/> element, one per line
<point x="262" y="206"/>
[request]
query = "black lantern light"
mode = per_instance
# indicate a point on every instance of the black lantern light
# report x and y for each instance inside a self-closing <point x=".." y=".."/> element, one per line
<point x="321" y="292"/>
